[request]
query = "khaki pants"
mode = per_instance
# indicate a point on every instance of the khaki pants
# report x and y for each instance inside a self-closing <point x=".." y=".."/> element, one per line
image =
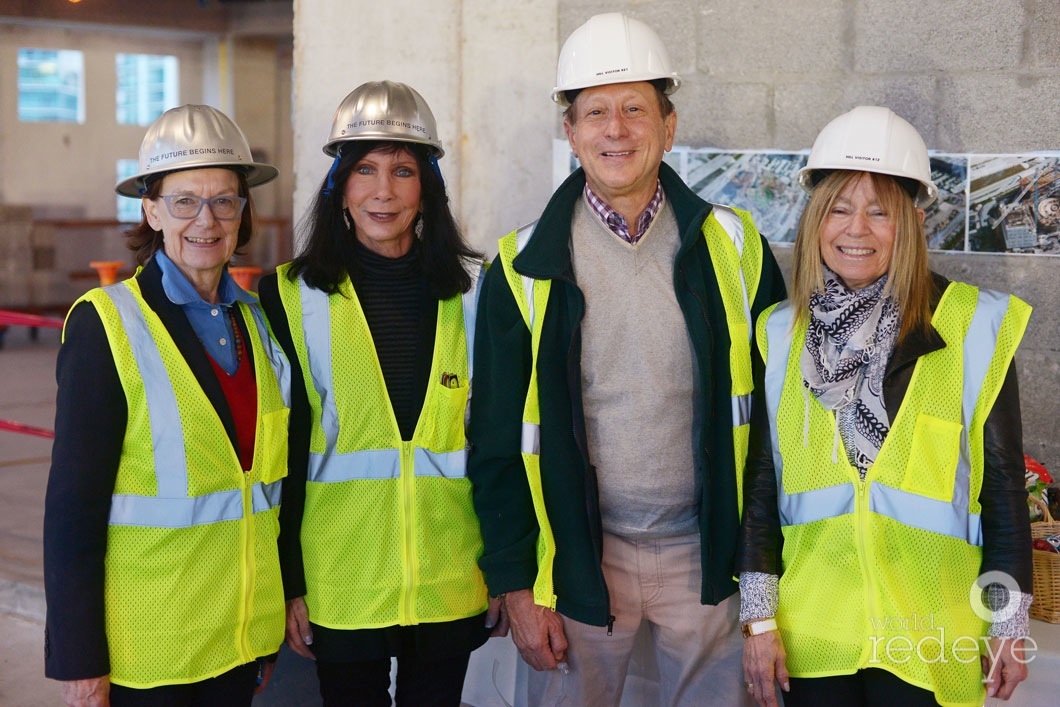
<point x="693" y="651"/>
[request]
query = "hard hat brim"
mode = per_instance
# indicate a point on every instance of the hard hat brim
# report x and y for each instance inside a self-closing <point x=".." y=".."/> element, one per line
<point x="257" y="173"/>
<point x="925" y="197"/>
<point x="559" y="95"/>
<point x="331" y="149"/>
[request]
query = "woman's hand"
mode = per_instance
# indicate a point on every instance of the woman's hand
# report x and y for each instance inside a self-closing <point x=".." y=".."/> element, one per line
<point x="763" y="663"/>
<point x="1004" y="666"/>
<point x="92" y="692"/>
<point x="497" y="617"/>
<point x="299" y="633"/>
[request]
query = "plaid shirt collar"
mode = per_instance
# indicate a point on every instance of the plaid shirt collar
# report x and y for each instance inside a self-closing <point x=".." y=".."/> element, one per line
<point x="616" y="222"/>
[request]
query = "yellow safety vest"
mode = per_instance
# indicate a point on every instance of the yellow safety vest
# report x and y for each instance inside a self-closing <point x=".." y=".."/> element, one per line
<point x="389" y="533"/>
<point x="736" y="253"/>
<point x="192" y="578"/>
<point x="877" y="572"/>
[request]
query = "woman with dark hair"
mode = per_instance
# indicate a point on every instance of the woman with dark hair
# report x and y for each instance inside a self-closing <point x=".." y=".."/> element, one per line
<point x="885" y="552"/>
<point x="380" y="542"/>
<point x="161" y="518"/>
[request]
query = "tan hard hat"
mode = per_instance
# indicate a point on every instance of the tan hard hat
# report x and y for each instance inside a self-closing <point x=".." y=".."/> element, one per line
<point x="193" y="137"/>
<point x="384" y="110"/>
<point x="612" y="48"/>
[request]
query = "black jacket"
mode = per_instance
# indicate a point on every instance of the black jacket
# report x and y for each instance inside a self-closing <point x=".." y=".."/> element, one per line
<point x="1005" y="518"/>
<point x="90" y="421"/>
<point x="502" y="372"/>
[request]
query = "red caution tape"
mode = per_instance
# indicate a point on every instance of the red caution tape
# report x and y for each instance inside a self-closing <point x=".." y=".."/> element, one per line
<point x="8" y="317"/>
<point x="26" y="429"/>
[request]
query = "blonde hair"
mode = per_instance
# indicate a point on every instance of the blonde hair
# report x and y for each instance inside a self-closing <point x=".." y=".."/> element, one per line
<point x="909" y="279"/>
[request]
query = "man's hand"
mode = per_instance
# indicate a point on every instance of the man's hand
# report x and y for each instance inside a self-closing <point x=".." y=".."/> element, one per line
<point x="92" y="692"/>
<point x="536" y="630"/>
<point x="299" y="633"/>
<point x="1004" y="666"/>
<point x="763" y="663"/>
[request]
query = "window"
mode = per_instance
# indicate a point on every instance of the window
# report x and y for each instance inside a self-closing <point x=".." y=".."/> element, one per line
<point x="128" y="209"/>
<point x="147" y="87"/>
<point x="51" y="86"/>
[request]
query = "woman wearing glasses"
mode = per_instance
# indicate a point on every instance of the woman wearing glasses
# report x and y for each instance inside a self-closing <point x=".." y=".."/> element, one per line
<point x="161" y="518"/>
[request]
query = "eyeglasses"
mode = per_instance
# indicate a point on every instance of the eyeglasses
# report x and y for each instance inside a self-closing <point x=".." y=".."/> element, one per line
<point x="226" y="207"/>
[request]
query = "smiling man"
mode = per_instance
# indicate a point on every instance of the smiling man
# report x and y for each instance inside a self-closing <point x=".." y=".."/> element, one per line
<point x="612" y="387"/>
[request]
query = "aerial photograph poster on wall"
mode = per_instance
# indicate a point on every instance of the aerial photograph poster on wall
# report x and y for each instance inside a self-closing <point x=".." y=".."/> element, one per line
<point x="986" y="203"/>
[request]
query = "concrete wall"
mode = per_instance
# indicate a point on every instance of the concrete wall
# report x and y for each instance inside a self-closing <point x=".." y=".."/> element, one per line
<point x="971" y="75"/>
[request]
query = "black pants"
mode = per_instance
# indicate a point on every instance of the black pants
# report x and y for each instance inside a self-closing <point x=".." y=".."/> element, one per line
<point x="232" y="689"/>
<point x="871" y="687"/>
<point x="420" y="683"/>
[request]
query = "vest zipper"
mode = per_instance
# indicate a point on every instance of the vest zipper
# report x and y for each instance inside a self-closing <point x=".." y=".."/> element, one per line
<point x="861" y="518"/>
<point x="408" y="497"/>
<point x="247" y="532"/>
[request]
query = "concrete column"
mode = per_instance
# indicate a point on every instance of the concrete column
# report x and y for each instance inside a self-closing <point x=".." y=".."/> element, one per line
<point x="486" y="70"/>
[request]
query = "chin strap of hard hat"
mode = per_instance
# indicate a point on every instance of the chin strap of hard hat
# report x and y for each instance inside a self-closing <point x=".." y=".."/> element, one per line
<point x="329" y="187"/>
<point x="433" y="162"/>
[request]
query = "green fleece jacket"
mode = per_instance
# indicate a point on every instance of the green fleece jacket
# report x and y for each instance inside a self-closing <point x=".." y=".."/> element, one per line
<point x="502" y="375"/>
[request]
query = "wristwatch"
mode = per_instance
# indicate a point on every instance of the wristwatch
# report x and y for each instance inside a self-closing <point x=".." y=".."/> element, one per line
<point x="754" y="628"/>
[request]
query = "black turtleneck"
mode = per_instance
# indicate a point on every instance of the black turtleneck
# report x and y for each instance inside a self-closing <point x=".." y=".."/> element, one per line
<point x="402" y="316"/>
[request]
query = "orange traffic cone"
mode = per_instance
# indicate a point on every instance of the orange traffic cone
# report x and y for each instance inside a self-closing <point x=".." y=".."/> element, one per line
<point x="244" y="275"/>
<point x="107" y="269"/>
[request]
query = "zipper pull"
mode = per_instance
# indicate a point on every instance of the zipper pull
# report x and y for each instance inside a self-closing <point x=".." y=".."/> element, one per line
<point x="610" y="624"/>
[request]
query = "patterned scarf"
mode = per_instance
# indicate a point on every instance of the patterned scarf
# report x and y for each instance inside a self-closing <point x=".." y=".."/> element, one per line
<point x="848" y="342"/>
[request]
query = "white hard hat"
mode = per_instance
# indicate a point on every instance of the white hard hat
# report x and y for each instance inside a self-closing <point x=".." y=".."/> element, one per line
<point x="384" y="110"/>
<point x="872" y="139"/>
<point x="612" y="48"/>
<point x="192" y="137"/>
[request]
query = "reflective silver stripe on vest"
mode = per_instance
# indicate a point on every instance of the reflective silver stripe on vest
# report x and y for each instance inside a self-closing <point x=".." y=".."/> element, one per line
<point x="531" y="439"/>
<point x="732" y="224"/>
<point x="522" y="237"/>
<point x="950" y="518"/>
<point x="531" y="433"/>
<point x="808" y="506"/>
<point x="741" y="410"/>
<point x="778" y="340"/>
<point x="385" y="464"/>
<point x="469" y="302"/>
<point x="929" y="514"/>
<point x="167" y="432"/>
<point x="266" y="496"/>
<point x="281" y="367"/>
<point x="953" y="518"/>
<point x="316" y="331"/>
<point x="172" y="507"/>
<point x="448" y="465"/>
<point x="187" y="512"/>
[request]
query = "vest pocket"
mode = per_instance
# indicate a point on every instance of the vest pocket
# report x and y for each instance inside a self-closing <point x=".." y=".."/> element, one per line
<point x="932" y="465"/>
<point x="274" y="445"/>
<point x="445" y="408"/>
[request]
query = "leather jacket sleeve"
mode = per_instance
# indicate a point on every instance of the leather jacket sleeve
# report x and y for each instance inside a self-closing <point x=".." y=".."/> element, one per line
<point x="1005" y="518"/>
<point x="292" y="502"/>
<point x="759" y="546"/>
